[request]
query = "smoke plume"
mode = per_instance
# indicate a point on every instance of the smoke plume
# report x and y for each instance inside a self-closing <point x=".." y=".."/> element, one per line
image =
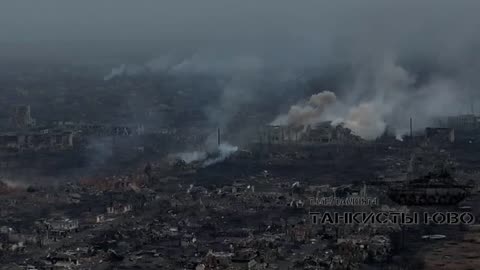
<point x="307" y="113"/>
<point x="365" y="121"/>
<point x="383" y="93"/>
<point x="222" y="152"/>
<point x="190" y="157"/>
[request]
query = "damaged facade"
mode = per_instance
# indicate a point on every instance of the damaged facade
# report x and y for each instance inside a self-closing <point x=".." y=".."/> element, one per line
<point x="322" y="133"/>
<point x="37" y="141"/>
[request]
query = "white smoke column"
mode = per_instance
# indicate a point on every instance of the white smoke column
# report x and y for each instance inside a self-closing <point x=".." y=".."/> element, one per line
<point x="365" y="121"/>
<point x="308" y="113"/>
<point x="125" y="70"/>
<point x="390" y="95"/>
<point x="224" y="151"/>
<point x="116" y="71"/>
<point x="380" y="94"/>
<point x="190" y="157"/>
<point x="219" y="154"/>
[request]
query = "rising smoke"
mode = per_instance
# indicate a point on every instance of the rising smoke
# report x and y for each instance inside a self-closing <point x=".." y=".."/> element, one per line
<point x="385" y="95"/>
<point x="391" y="61"/>
<point x="125" y="70"/>
<point x="190" y="157"/>
<point x="222" y="152"/>
<point x="394" y="68"/>
<point x="364" y="120"/>
<point x="307" y="113"/>
<point x="381" y="92"/>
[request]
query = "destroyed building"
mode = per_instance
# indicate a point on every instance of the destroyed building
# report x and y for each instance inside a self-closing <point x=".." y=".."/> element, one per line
<point x="460" y="122"/>
<point x="25" y="136"/>
<point x="440" y="135"/>
<point x="467" y="127"/>
<point x="37" y="140"/>
<point x="322" y="133"/>
<point x="326" y="132"/>
<point x="21" y="118"/>
<point x="130" y="170"/>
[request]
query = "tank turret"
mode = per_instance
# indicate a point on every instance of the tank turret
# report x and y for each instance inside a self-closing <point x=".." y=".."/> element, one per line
<point x="431" y="189"/>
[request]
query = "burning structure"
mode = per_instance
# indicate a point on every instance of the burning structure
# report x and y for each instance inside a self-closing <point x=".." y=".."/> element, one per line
<point x="363" y="120"/>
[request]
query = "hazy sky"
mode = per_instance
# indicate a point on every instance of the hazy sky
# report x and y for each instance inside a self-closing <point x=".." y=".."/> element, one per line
<point x="246" y="23"/>
<point x="284" y="31"/>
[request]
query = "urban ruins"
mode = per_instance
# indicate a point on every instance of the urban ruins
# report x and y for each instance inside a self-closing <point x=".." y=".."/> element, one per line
<point x="247" y="209"/>
<point x="272" y="135"/>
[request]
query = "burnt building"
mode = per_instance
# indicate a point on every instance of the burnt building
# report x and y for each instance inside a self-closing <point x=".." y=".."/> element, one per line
<point x="467" y="127"/>
<point x="36" y="140"/>
<point x="279" y="135"/>
<point x="459" y="122"/>
<point x="321" y="133"/>
<point x="22" y="118"/>
<point x="440" y="135"/>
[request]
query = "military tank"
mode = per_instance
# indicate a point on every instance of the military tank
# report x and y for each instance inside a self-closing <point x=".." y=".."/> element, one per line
<point x="430" y="180"/>
<point x="431" y="189"/>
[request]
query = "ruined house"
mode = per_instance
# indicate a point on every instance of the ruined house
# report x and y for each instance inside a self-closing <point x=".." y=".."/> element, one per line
<point x="299" y="233"/>
<point x="37" y="140"/>
<point x="218" y="260"/>
<point x="440" y="135"/>
<point x="467" y="127"/>
<point x="61" y="227"/>
<point x="279" y="135"/>
<point x="118" y="208"/>
<point x="244" y="259"/>
<point x="321" y="133"/>
<point x="325" y="132"/>
<point x="21" y="118"/>
<point x="24" y="135"/>
<point x="460" y="122"/>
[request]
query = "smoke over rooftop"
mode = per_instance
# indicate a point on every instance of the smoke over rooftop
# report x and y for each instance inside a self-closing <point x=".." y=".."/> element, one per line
<point x="307" y="113"/>
<point x="390" y="61"/>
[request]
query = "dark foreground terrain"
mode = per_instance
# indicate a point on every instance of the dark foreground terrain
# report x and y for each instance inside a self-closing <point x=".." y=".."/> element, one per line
<point x="248" y="212"/>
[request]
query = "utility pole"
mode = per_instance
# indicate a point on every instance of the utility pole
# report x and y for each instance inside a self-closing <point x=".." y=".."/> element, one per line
<point x="411" y="131"/>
